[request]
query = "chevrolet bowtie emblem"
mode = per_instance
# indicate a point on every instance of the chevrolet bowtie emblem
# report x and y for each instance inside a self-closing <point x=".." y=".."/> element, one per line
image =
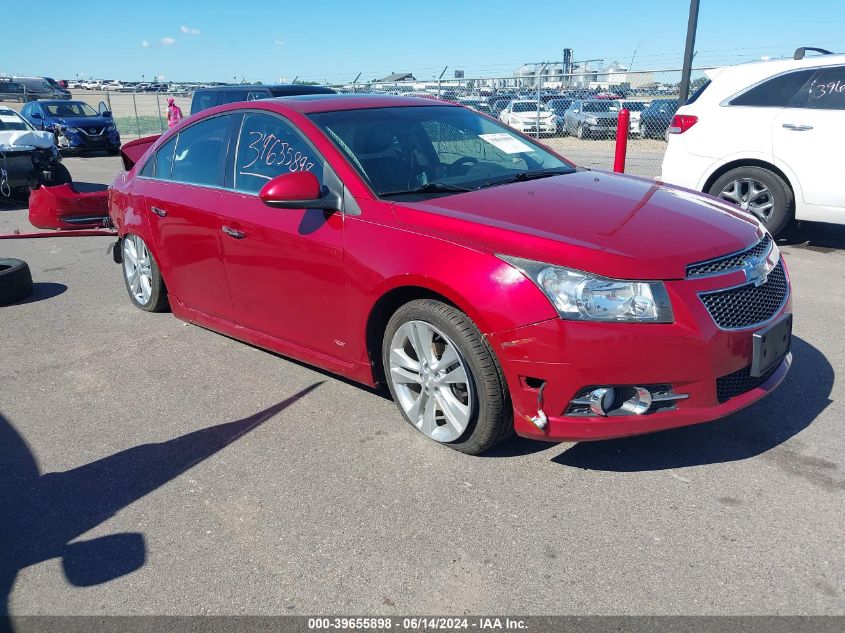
<point x="756" y="270"/>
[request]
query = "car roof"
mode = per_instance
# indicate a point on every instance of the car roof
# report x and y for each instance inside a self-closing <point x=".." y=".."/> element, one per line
<point x="274" y="87"/>
<point x="307" y="104"/>
<point x="728" y="80"/>
<point x="58" y="101"/>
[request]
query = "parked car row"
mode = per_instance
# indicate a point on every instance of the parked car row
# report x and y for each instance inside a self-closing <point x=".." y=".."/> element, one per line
<point x="586" y="118"/>
<point x="23" y="89"/>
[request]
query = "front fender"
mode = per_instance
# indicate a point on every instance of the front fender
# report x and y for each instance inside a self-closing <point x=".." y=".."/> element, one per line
<point x="380" y="259"/>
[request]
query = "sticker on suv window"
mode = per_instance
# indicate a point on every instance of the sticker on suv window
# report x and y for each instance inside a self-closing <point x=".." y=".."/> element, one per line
<point x="506" y="143"/>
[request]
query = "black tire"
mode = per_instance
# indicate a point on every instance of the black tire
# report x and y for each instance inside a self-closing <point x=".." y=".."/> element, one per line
<point x="784" y="200"/>
<point x="15" y="281"/>
<point x="20" y="194"/>
<point x="581" y="133"/>
<point x="158" y="301"/>
<point x="59" y="175"/>
<point x="492" y="420"/>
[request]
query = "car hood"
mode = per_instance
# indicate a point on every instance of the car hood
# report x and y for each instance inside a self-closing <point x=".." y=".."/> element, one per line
<point x="531" y="115"/>
<point x="601" y="115"/>
<point x="81" y="121"/>
<point x="613" y="225"/>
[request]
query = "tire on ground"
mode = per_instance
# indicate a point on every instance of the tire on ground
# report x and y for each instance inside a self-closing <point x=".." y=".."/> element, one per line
<point x="15" y="281"/>
<point x="783" y="198"/>
<point x="159" y="301"/>
<point x="492" y="421"/>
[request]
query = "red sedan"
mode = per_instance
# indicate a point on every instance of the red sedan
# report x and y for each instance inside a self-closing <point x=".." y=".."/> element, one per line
<point x="490" y="284"/>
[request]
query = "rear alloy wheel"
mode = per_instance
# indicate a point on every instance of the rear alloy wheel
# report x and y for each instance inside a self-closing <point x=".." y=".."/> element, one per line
<point x="760" y="192"/>
<point x="444" y="377"/>
<point x="142" y="276"/>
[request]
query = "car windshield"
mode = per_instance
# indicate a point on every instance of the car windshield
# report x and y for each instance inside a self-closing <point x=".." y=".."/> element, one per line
<point x="599" y="106"/>
<point x="526" y="106"/>
<point x="10" y="121"/>
<point x="663" y="104"/>
<point x="430" y="150"/>
<point x="70" y="108"/>
<point x="634" y="106"/>
<point x="559" y="104"/>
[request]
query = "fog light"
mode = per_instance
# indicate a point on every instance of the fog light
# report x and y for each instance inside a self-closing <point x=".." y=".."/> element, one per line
<point x="601" y="400"/>
<point x="639" y="402"/>
<point x="621" y="400"/>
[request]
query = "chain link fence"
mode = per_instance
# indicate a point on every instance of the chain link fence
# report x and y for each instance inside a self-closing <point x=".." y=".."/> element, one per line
<point x="576" y="116"/>
<point x="135" y="114"/>
<point x="584" y="107"/>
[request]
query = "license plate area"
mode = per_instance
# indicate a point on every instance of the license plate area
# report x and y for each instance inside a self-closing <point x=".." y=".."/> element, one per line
<point x="771" y="345"/>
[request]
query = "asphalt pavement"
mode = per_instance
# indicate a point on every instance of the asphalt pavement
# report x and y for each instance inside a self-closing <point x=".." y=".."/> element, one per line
<point x="230" y="480"/>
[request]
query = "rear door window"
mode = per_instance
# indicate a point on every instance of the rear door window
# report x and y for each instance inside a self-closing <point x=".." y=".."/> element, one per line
<point x="826" y="91"/>
<point x="201" y="152"/>
<point x="204" y="100"/>
<point x="269" y="146"/>
<point x="231" y="96"/>
<point x="776" y="92"/>
<point x="159" y="165"/>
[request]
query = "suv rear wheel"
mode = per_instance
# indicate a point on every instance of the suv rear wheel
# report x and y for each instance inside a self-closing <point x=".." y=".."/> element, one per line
<point x="758" y="191"/>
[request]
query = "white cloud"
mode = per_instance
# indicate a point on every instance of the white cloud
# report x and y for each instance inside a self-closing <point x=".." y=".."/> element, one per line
<point x="168" y="41"/>
<point x="279" y="42"/>
<point x="145" y="44"/>
<point x="187" y="30"/>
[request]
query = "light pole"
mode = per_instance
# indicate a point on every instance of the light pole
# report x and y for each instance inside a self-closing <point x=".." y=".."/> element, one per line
<point x="692" y="25"/>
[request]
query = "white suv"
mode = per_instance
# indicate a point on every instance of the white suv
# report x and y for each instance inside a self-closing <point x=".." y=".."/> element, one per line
<point x="767" y="136"/>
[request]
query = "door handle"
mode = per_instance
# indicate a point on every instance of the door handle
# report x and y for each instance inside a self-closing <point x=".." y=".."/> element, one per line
<point x="238" y="235"/>
<point x="797" y="128"/>
<point x="159" y="212"/>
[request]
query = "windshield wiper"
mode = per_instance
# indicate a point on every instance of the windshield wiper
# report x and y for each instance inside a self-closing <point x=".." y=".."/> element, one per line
<point x="532" y="174"/>
<point x="431" y="187"/>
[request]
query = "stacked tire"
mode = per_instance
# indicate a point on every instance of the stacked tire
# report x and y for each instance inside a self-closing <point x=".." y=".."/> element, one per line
<point x="15" y="281"/>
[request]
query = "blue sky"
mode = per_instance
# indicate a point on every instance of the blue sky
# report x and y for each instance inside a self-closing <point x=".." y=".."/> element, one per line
<point x="334" y="40"/>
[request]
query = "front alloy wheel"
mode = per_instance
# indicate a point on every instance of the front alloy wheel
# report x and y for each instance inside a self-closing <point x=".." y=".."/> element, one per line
<point x="445" y="377"/>
<point x="431" y="381"/>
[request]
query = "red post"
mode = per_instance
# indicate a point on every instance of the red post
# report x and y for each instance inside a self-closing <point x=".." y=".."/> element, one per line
<point x="622" y="123"/>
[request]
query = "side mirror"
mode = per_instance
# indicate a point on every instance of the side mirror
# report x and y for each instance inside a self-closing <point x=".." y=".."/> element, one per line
<point x="297" y="190"/>
<point x="36" y="115"/>
<point x="106" y="113"/>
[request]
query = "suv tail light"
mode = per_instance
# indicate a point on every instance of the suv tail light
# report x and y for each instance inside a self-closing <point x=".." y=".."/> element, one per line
<point x="681" y="123"/>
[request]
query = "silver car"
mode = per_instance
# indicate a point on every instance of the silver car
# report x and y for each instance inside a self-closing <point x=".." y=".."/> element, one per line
<point x="591" y="118"/>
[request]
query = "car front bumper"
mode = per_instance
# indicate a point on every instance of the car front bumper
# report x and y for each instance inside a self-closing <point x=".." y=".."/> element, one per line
<point x="549" y="127"/>
<point x="78" y="141"/>
<point x="691" y="355"/>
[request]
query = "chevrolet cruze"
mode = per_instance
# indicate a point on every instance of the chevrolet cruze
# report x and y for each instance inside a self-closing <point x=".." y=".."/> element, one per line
<point x="490" y="284"/>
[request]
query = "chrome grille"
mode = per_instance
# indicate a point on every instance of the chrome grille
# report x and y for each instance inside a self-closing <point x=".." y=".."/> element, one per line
<point x="729" y="262"/>
<point x="748" y="305"/>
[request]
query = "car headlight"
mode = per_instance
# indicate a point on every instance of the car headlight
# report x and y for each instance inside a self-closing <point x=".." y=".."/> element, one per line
<point x="592" y="120"/>
<point x="72" y="130"/>
<point x="581" y="296"/>
<point x="111" y="127"/>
